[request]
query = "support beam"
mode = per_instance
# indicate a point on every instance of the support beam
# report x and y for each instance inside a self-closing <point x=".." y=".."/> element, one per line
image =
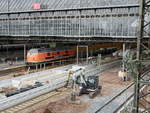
<point x="24" y="53"/>
<point x="123" y="65"/>
<point x="142" y="25"/>
<point x="87" y="53"/>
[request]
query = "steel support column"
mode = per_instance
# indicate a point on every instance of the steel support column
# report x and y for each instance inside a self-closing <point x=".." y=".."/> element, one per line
<point x="143" y="10"/>
<point x="87" y="53"/>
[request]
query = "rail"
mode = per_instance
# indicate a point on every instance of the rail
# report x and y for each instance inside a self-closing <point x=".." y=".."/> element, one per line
<point x="130" y="96"/>
<point x="55" y="84"/>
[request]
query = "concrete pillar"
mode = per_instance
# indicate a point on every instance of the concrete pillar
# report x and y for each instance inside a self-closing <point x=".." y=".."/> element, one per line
<point x="44" y="65"/>
<point x="24" y="53"/>
<point x="36" y="67"/>
<point x="87" y="54"/>
<point x="123" y="65"/>
<point x="40" y="66"/>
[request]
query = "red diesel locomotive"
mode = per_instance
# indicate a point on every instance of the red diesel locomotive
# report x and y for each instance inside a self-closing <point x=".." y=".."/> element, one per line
<point x="45" y="55"/>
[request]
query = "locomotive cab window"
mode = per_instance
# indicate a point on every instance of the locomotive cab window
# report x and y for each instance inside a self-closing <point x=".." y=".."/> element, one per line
<point x="48" y="54"/>
<point x="66" y="52"/>
<point x="32" y="51"/>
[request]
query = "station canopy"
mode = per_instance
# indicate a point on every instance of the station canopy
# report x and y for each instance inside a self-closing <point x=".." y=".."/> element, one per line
<point x="25" y="5"/>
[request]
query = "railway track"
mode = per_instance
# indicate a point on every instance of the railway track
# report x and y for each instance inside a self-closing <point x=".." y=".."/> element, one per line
<point x="21" y="70"/>
<point x="11" y="70"/>
<point x="28" y="105"/>
<point x="24" y="105"/>
<point x="109" y="107"/>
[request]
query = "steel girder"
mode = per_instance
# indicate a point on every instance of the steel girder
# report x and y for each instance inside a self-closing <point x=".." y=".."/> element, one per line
<point x="142" y="96"/>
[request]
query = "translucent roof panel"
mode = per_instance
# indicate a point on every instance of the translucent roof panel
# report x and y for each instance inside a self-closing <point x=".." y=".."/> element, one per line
<point x="24" y="5"/>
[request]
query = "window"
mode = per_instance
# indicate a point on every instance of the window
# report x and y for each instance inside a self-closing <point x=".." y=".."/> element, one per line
<point x="66" y="52"/>
<point x="32" y="51"/>
<point x="48" y="54"/>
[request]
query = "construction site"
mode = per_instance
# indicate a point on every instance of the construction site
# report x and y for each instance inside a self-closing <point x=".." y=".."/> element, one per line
<point x="74" y="56"/>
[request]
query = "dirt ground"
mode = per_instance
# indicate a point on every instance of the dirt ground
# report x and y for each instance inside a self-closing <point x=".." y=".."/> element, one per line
<point x="109" y="81"/>
<point x="145" y="101"/>
<point x="63" y="106"/>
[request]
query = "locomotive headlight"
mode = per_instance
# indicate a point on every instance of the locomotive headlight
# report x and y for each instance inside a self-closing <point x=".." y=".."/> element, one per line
<point x="28" y="54"/>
